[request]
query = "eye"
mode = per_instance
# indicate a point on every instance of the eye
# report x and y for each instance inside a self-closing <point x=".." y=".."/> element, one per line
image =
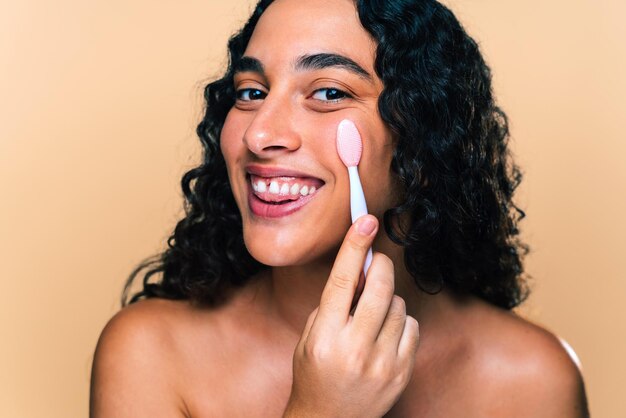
<point x="330" y="95"/>
<point x="248" y="95"/>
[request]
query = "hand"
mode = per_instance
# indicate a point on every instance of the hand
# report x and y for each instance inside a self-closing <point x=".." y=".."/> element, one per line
<point x="354" y="365"/>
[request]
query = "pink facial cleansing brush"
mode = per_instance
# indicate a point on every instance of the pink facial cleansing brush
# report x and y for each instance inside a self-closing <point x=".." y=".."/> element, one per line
<point x="349" y="147"/>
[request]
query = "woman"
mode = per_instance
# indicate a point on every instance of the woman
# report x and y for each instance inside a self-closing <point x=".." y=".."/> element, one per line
<point x="254" y="315"/>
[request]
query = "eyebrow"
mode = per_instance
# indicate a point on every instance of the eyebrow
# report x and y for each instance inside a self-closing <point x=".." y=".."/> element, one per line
<point x="308" y="62"/>
<point x="321" y="61"/>
<point x="249" y="64"/>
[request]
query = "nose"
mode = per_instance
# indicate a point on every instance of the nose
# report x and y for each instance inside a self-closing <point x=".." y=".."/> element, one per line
<point x="273" y="131"/>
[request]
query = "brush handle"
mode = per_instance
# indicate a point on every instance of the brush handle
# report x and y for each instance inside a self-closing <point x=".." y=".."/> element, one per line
<point x="358" y="207"/>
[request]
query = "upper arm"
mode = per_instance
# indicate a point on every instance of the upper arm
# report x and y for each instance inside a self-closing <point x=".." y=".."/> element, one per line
<point x="564" y="378"/>
<point x="558" y="385"/>
<point x="545" y="381"/>
<point x="132" y="369"/>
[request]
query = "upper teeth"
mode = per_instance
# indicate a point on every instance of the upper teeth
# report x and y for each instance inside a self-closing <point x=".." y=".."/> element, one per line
<point x="282" y="189"/>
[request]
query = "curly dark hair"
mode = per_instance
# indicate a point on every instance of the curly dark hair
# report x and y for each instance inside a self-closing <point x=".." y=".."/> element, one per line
<point x="459" y="227"/>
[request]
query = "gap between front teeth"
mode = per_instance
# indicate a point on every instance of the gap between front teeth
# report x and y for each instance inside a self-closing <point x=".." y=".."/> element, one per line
<point x="261" y="187"/>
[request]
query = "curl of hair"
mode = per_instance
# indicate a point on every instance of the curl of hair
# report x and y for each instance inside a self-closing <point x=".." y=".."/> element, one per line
<point x="457" y="223"/>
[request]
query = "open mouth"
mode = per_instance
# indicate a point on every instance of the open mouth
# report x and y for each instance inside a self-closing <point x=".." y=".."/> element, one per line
<point x="274" y="197"/>
<point x="283" y="189"/>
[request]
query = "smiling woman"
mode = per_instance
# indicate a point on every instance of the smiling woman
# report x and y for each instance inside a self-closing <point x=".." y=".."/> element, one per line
<point x="252" y="314"/>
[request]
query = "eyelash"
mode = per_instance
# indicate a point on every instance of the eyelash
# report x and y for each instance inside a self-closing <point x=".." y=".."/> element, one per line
<point x="241" y="92"/>
<point x="341" y="92"/>
<point x="249" y="91"/>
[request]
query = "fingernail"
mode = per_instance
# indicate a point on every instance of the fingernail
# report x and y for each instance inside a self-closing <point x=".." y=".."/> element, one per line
<point x="366" y="226"/>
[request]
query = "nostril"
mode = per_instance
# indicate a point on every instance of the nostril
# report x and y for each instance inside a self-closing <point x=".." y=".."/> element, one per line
<point x="274" y="148"/>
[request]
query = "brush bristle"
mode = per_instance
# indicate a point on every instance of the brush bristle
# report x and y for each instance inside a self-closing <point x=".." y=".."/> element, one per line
<point x="349" y="145"/>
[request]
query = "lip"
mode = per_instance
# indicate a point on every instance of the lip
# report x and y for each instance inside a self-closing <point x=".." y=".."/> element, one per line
<point x="261" y="208"/>
<point x="266" y="210"/>
<point x="276" y="171"/>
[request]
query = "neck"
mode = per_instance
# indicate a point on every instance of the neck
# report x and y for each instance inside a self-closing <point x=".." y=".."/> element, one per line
<point x="294" y="292"/>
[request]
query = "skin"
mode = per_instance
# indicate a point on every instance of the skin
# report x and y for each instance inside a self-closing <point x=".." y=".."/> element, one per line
<point x="169" y="358"/>
<point x="295" y="127"/>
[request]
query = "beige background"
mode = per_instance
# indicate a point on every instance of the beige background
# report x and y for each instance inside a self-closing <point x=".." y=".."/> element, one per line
<point x="99" y="101"/>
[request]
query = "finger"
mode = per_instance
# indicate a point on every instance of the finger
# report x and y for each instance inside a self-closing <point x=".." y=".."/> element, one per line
<point x="309" y="322"/>
<point x="393" y="327"/>
<point x="374" y="304"/>
<point x="409" y="341"/>
<point x="358" y="292"/>
<point x="307" y="327"/>
<point x="339" y="291"/>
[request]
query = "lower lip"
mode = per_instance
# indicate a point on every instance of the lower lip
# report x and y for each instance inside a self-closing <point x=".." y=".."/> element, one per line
<point x="266" y="210"/>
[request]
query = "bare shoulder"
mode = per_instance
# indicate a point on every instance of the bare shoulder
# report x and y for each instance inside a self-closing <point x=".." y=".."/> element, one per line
<point x="526" y="370"/>
<point x="136" y="364"/>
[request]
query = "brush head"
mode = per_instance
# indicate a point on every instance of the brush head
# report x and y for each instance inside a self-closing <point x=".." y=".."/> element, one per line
<point x="349" y="145"/>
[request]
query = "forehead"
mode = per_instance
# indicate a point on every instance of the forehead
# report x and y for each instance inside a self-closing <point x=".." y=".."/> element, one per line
<point x="292" y="28"/>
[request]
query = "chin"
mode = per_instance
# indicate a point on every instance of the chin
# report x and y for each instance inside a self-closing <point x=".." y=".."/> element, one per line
<point x="275" y="256"/>
<point x="288" y="248"/>
<point x="272" y="249"/>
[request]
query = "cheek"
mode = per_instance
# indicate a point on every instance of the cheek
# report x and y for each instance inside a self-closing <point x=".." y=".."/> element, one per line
<point x="229" y="138"/>
<point x="233" y="151"/>
<point x="375" y="169"/>
<point x="319" y="133"/>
